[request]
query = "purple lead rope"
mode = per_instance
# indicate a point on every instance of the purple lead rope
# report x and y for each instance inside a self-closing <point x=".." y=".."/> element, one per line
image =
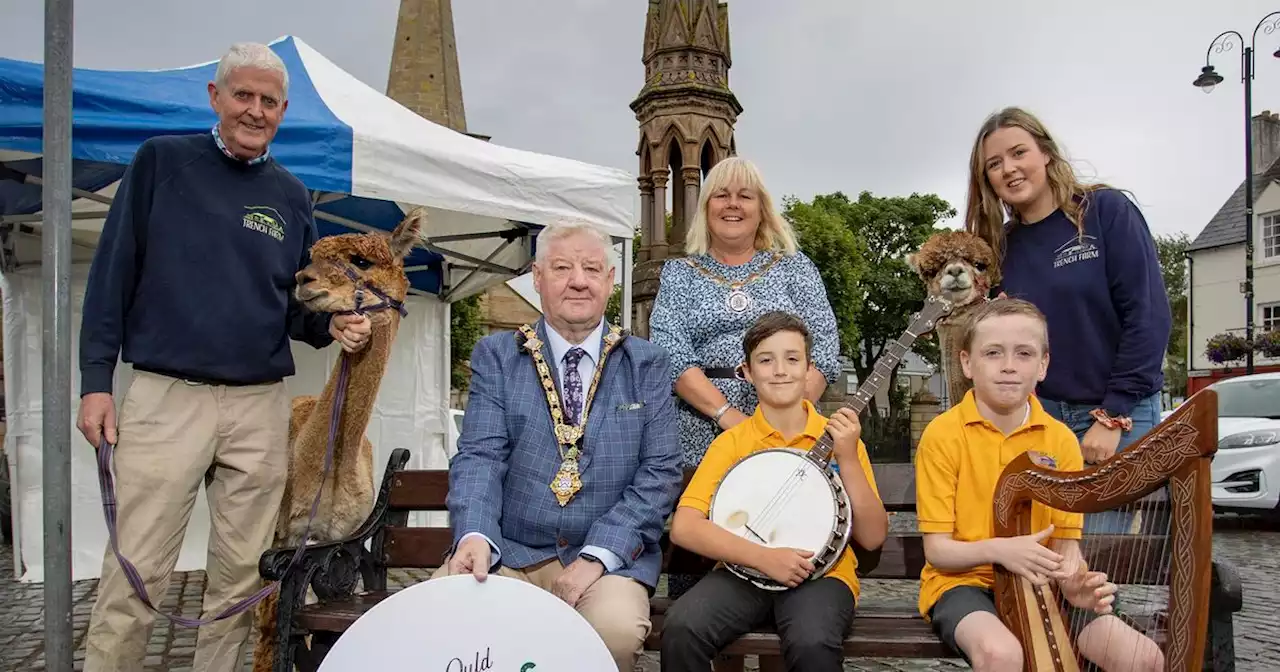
<point x="107" y="483"/>
<point x="107" y="486"/>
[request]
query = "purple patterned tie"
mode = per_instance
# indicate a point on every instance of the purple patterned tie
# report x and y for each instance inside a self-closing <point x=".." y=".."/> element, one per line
<point x="573" y="384"/>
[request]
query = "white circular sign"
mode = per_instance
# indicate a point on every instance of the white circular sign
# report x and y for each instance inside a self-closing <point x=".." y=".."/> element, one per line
<point x="458" y="624"/>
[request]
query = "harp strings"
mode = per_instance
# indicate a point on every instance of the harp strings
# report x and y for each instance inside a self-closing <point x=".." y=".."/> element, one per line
<point x="1146" y="592"/>
<point x="1100" y="555"/>
<point x="1130" y="544"/>
<point x="1156" y="523"/>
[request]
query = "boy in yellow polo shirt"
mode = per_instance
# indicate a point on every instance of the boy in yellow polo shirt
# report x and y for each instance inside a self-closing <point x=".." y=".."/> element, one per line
<point x="1005" y="351"/>
<point x="812" y="617"/>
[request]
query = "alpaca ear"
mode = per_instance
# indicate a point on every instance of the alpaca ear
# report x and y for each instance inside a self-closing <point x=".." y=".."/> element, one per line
<point x="913" y="261"/>
<point x="408" y="232"/>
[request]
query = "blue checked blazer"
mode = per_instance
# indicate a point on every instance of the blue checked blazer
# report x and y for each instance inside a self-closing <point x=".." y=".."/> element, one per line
<point x="500" y="478"/>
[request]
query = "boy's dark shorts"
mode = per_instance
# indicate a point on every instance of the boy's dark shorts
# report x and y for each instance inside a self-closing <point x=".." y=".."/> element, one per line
<point x="958" y="602"/>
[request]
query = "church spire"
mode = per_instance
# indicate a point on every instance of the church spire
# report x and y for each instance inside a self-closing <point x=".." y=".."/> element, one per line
<point x="424" y="63"/>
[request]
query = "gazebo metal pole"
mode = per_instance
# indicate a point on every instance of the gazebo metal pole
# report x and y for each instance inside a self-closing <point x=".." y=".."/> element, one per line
<point x="56" y="346"/>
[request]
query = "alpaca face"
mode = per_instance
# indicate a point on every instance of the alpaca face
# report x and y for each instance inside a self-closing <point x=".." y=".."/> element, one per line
<point x="342" y="265"/>
<point x="957" y="266"/>
<point x="960" y="282"/>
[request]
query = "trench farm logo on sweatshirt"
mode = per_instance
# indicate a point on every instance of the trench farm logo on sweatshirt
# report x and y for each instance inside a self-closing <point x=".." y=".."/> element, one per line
<point x="1079" y="248"/>
<point x="264" y="219"/>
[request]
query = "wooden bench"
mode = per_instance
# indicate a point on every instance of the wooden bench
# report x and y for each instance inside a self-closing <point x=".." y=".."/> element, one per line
<point x="385" y="541"/>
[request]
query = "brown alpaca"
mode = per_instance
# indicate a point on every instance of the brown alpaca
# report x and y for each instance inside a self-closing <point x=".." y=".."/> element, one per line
<point x="959" y="267"/>
<point x="348" y="492"/>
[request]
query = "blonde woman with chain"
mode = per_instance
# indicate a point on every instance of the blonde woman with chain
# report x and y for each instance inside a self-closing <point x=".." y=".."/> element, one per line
<point x="742" y="261"/>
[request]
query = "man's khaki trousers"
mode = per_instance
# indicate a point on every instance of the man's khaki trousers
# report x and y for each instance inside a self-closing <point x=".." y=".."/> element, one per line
<point x="616" y="606"/>
<point x="173" y="435"/>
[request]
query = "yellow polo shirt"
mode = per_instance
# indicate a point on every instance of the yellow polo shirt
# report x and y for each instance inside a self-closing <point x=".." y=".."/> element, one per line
<point x="756" y="434"/>
<point x="959" y="459"/>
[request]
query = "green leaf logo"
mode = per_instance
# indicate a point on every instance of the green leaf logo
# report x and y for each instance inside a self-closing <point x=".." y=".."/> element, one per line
<point x="527" y="666"/>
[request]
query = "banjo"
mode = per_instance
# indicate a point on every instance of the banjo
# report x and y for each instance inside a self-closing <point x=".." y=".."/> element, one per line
<point x="787" y="497"/>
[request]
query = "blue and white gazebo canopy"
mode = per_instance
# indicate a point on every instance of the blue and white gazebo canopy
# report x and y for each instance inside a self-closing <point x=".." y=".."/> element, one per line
<point x="366" y="158"/>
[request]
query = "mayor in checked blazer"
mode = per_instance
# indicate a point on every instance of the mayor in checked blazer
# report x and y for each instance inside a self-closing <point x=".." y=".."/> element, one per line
<point x="599" y="552"/>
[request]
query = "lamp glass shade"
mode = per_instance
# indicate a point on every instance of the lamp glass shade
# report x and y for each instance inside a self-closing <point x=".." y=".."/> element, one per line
<point x="1208" y="79"/>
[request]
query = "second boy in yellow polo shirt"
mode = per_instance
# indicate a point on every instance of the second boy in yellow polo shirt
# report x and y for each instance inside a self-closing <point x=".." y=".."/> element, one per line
<point x="812" y="616"/>
<point x="958" y="461"/>
<point x="1005" y="350"/>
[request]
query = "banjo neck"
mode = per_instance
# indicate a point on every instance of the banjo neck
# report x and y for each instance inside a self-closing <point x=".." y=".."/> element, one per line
<point x="921" y="323"/>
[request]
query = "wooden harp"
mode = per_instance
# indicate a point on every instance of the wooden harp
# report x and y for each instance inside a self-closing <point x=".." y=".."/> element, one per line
<point x="1176" y="455"/>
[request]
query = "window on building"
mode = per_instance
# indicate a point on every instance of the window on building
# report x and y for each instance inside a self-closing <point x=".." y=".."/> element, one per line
<point x="1271" y="236"/>
<point x="1270" y="315"/>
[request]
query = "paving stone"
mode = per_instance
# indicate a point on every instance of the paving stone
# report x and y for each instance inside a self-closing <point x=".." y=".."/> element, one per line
<point x="1251" y="545"/>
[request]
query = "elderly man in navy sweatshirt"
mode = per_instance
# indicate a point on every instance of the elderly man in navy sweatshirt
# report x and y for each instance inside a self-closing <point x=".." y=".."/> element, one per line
<point x="192" y="283"/>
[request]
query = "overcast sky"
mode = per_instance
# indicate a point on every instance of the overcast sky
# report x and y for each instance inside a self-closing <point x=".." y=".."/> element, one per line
<point x="838" y="95"/>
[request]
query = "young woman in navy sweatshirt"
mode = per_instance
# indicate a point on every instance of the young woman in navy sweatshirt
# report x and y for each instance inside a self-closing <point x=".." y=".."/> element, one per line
<point x="1083" y="254"/>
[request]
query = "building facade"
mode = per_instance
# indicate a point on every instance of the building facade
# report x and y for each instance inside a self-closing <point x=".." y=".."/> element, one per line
<point x="1216" y="261"/>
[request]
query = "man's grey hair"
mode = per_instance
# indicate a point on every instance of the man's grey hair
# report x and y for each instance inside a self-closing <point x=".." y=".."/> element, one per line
<point x="252" y="55"/>
<point x="563" y="229"/>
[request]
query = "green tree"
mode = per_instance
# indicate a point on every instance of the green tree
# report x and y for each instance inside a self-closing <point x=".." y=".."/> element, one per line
<point x="1172" y="250"/>
<point x="613" y="309"/>
<point x="887" y="229"/>
<point x="465" y="328"/>
<point x="841" y="258"/>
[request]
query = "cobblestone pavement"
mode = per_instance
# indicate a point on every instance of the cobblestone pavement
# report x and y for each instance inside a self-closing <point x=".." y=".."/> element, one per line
<point x="1253" y="547"/>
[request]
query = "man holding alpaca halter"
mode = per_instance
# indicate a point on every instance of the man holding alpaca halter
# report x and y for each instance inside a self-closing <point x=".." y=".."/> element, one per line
<point x="568" y="462"/>
<point x="1004" y="349"/>
<point x="192" y="283"/>
<point x="812" y="617"/>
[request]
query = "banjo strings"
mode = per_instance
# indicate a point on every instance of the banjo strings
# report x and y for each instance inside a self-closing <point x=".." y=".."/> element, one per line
<point x="778" y="503"/>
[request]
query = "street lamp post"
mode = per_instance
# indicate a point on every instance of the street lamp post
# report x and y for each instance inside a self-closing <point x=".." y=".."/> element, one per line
<point x="1206" y="81"/>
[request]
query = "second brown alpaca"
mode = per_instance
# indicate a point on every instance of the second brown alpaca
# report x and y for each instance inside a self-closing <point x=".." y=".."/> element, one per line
<point x="960" y="267"/>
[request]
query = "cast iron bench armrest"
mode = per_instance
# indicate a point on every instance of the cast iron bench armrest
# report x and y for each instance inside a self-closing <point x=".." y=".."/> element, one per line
<point x="334" y="563"/>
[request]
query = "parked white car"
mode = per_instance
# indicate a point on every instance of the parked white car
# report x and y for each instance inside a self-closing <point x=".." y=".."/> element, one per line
<point x="1246" y="468"/>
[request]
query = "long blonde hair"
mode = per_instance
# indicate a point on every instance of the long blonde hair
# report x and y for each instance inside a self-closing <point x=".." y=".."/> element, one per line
<point x="774" y="232"/>
<point x="985" y="214"/>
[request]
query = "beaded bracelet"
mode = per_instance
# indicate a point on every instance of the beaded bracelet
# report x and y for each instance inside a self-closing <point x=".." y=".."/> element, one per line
<point x="1119" y="422"/>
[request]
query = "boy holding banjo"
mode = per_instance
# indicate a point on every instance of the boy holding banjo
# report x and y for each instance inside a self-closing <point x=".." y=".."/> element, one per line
<point x="767" y="465"/>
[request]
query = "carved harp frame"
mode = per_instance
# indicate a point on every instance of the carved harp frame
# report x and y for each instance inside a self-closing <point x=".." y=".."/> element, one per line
<point x="1177" y="452"/>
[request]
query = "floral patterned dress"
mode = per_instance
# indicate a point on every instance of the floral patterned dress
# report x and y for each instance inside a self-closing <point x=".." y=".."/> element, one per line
<point x="692" y="319"/>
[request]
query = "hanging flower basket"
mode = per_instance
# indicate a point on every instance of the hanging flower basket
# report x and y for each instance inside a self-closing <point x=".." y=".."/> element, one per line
<point x="1226" y="347"/>
<point x="1268" y="343"/>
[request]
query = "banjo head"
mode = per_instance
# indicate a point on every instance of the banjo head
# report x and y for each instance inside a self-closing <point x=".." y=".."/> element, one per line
<point x="780" y="498"/>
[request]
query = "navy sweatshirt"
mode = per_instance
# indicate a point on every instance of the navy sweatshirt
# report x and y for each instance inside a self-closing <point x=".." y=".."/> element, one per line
<point x="1104" y="298"/>
<point x="194" y="272"/>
